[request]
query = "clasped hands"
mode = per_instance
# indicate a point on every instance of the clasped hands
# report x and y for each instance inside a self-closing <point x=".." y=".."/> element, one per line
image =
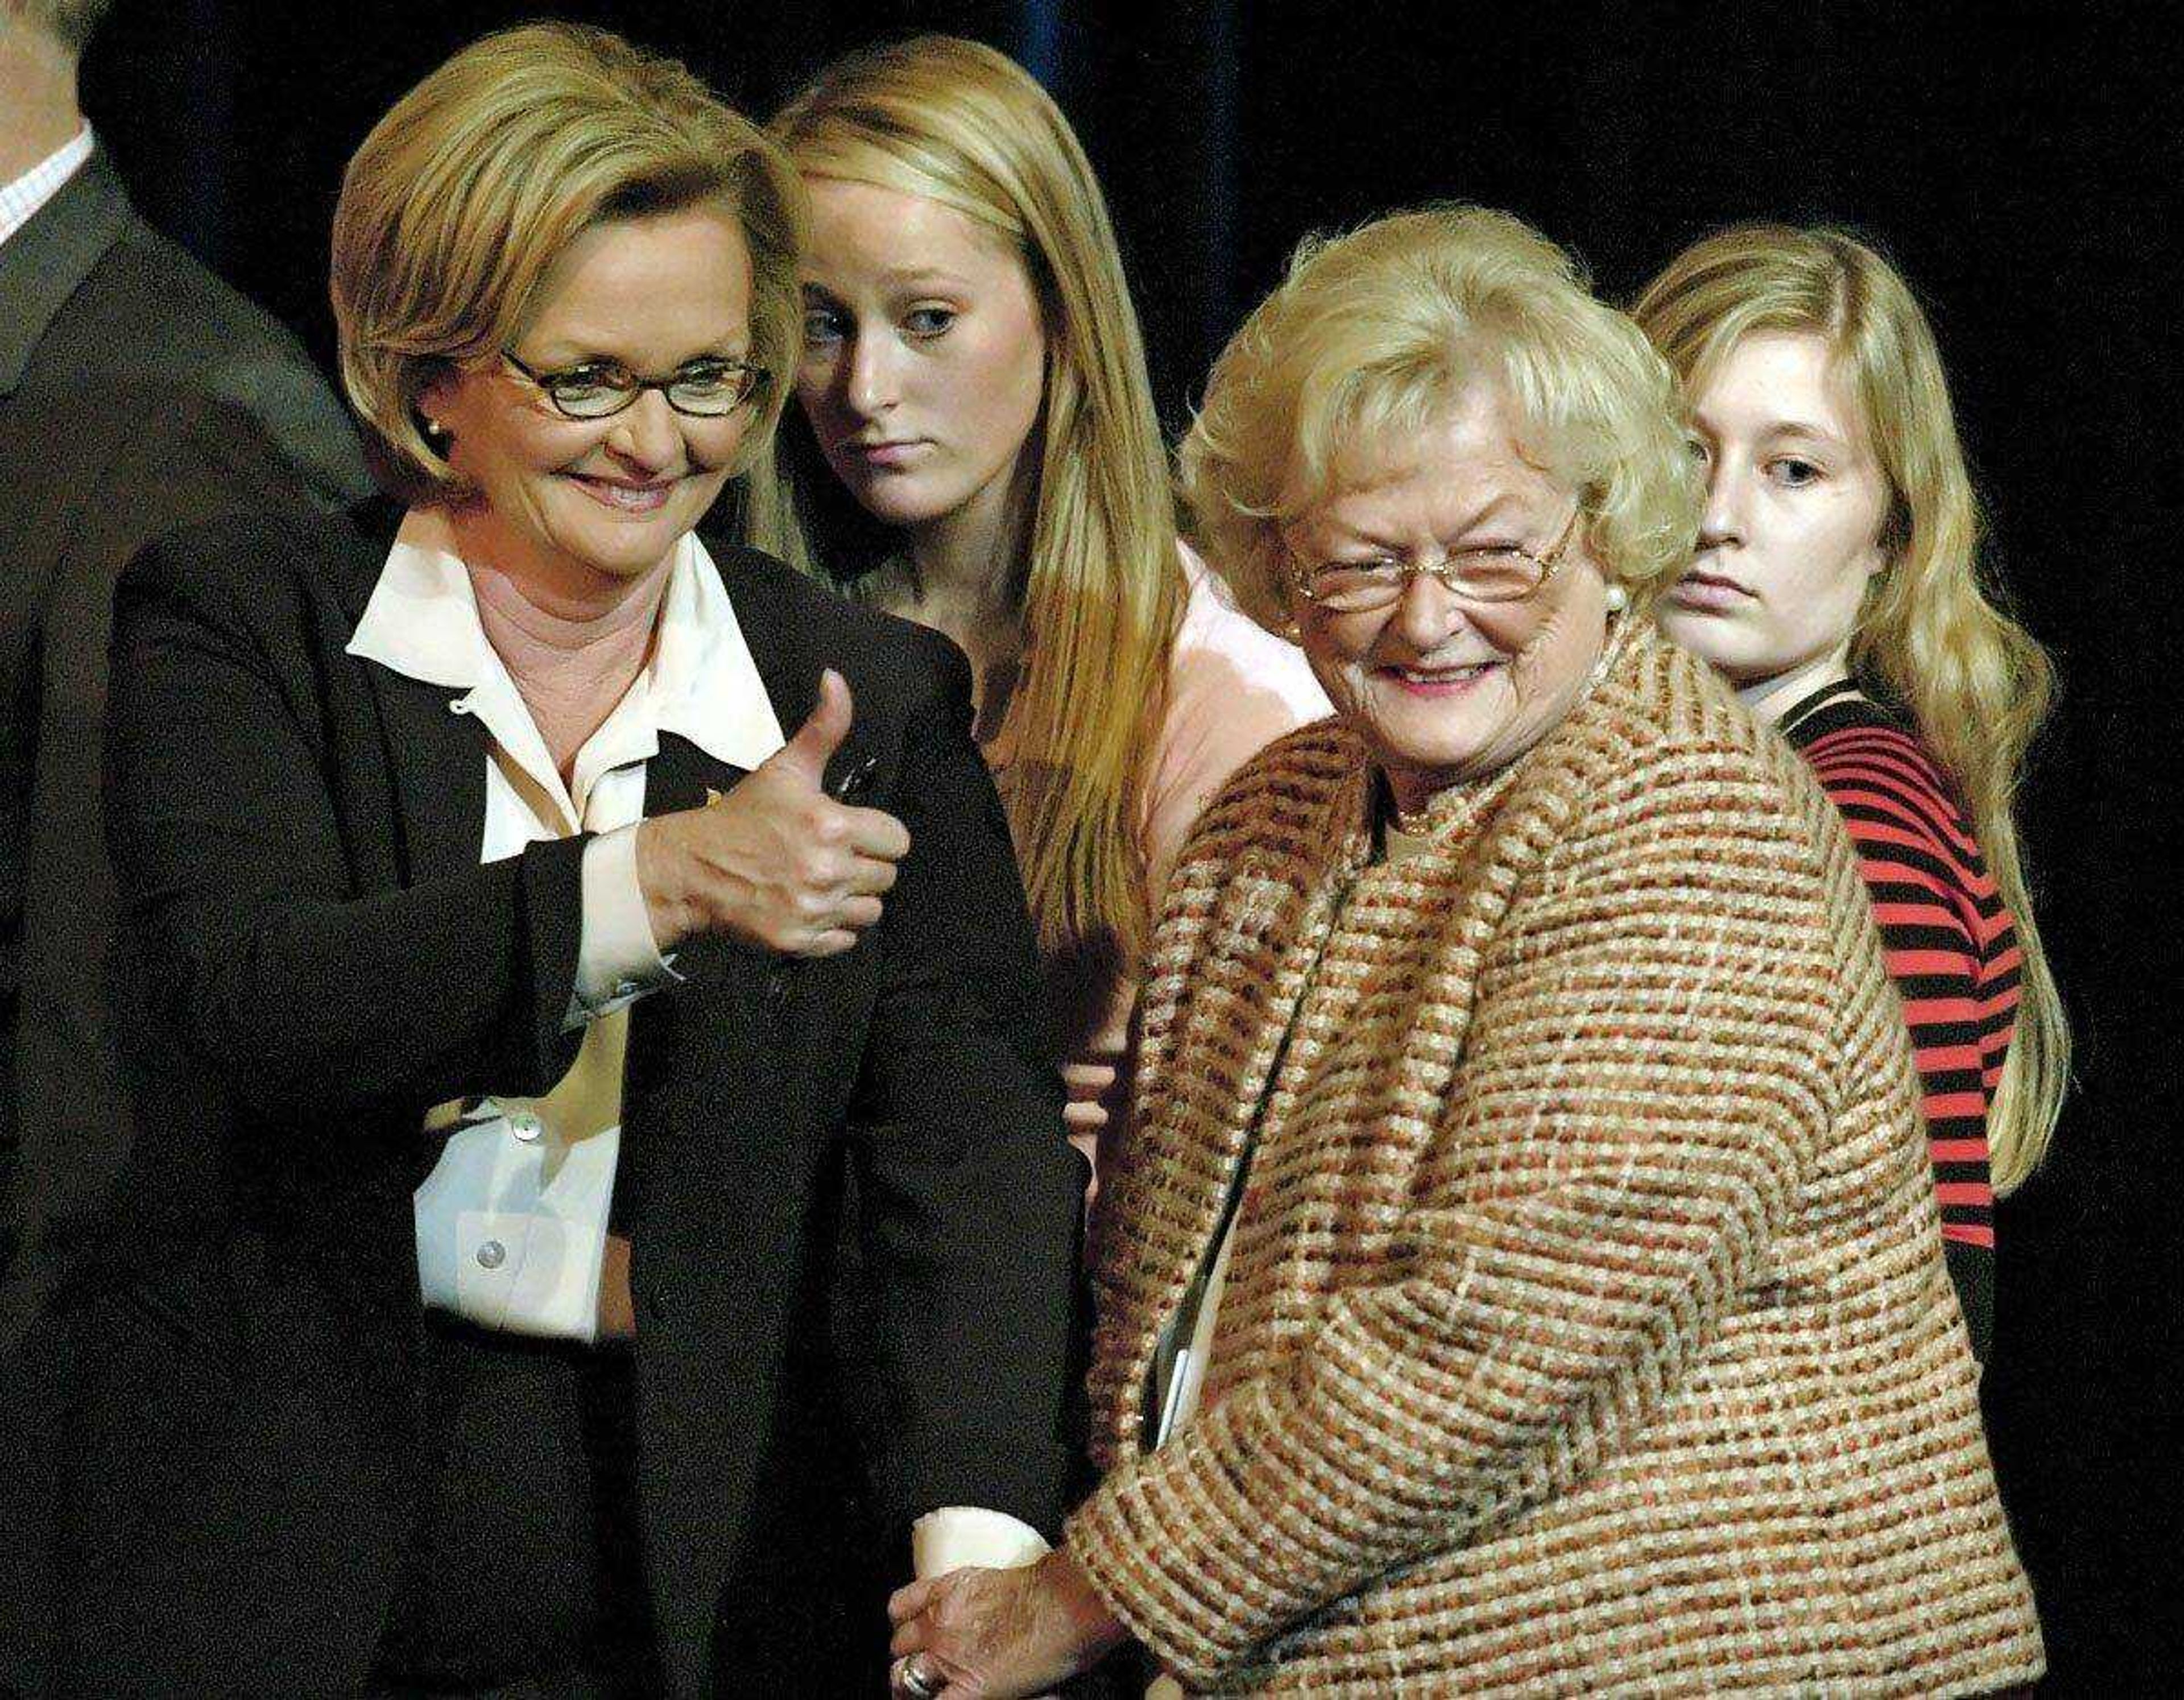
<point x="992" y="1635"/>
<point x="775" y="861"/>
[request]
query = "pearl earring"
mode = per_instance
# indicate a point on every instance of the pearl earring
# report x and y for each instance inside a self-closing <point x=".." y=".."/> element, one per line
<point x="1618" y="599"/>
<point x="434" y="428"/>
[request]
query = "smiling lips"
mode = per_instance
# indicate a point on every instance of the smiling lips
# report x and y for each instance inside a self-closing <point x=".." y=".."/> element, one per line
<point x="1436" y="681"/>
<point x="626" y="496"/>
<point x="1707" y="592"/>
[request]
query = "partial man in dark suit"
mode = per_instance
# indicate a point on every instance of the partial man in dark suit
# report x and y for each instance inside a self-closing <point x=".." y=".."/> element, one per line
<point x="580" y="929"/>
<point x="137" y="392"/>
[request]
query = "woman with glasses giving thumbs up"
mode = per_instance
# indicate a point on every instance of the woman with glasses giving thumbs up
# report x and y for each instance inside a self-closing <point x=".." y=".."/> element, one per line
<point x="557" y="910"/>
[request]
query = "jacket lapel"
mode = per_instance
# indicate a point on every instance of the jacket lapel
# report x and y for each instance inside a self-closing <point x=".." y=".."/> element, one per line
<point x="41" y="266"/>
<point x="46" y="261"/>
<point x="682" y="776"/>
<point x="436" y="756"/>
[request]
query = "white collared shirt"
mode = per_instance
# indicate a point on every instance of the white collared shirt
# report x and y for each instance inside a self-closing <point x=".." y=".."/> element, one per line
<point x="21" y="197"/>
<point x="511" y="1224"/>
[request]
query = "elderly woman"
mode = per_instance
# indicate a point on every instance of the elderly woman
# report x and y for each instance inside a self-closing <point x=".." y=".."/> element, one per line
<point x="1525" y="1277"/>
<point x="546" y="993"/>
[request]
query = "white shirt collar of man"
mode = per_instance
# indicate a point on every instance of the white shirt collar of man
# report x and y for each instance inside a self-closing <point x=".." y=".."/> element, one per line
<point x="21" y="197"/>
<point x="701" y="683"/>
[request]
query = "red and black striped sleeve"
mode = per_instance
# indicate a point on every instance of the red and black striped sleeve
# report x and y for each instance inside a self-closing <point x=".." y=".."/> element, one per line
<point x="1951" y="948"/>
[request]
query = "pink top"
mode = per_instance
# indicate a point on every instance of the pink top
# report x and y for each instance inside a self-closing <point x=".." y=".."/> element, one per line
<point x="1233" y="688"/>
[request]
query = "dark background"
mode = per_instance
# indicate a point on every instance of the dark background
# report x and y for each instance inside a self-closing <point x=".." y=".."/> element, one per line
<point x="2019" y="162"/>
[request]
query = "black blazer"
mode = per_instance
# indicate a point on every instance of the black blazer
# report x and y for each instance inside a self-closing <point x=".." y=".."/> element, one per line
<point x="296" y="834"/>
<point x="137" y="393"/>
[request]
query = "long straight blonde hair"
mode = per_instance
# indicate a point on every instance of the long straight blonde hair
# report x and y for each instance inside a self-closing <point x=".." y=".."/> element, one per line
<point x="1100" y="591"/>
<point x="1932" y="638"/>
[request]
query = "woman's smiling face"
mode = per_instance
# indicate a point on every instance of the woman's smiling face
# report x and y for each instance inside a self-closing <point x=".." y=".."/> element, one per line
<point x="570" y="500"/>
<point x="1445" y="690"/>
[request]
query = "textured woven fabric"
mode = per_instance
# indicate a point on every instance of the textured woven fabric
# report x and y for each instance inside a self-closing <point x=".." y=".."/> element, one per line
<point x="1586" y="1330"/>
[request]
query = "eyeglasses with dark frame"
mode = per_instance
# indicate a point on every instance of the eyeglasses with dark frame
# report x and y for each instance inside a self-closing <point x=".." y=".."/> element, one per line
<point x="1500" y="574"/>
<point x="600" y="389"/>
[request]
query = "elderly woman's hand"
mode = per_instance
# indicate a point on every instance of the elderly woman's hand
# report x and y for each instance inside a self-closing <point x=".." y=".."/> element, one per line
<point x="987" y="1635"/>
<point x="775" y="863"/>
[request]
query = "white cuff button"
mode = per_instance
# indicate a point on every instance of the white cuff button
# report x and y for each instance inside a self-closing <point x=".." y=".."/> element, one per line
<point x="491" y="1255"/>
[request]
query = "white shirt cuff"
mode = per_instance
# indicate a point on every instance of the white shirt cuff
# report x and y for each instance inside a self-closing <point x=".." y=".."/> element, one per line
<point x="617" y="962"/>
<point x="959" y="1534"/>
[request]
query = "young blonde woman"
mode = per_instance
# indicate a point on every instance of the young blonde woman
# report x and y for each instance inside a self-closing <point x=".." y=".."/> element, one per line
<point x="974" y="386"/>
<point x="1838" y="585"/>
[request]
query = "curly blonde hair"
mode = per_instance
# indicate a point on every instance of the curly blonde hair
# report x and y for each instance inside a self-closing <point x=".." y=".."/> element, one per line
<point x="1374" y="335"/>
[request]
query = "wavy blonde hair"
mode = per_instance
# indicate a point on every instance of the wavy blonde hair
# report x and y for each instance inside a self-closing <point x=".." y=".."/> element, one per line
<point x="1374" y="335"/>
<point x="458" y="204"/>
<point x="1932" y="638"/>
<point x="1100" y="590"/>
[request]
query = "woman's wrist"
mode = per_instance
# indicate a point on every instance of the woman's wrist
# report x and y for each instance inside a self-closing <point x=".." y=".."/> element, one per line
<point x="666" y="906"/>
<point x="1093" y="1625"/>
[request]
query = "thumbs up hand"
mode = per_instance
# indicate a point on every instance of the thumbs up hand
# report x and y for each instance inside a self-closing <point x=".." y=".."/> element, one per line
<point x="807" y="754"/>
<point x="775" y="862"/>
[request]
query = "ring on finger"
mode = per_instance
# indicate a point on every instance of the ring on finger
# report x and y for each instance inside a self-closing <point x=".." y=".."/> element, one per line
<point x="915" y="1681"/>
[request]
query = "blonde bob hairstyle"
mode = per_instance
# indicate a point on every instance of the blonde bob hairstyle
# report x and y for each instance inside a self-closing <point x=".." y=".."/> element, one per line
<point x="1374" y="336"/>
<point x="1099" y="587"/>
<point x="455" y="208"/>
<point x="1931" y="639"/>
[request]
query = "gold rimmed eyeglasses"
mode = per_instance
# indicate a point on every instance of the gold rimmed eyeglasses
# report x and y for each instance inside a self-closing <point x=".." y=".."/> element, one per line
<point x="1499" y="573"/>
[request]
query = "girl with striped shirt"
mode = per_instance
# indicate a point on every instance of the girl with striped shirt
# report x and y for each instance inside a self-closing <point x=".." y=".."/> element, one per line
<point x="1837" y="585"/>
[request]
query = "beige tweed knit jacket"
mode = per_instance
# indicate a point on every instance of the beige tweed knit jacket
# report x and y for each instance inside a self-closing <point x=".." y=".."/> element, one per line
<point x="1586" y="1329"/>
